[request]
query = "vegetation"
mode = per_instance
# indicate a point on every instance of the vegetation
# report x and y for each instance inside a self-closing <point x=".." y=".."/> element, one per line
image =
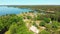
<point x="42" y="23"/>
<point x="14" y="25"/>
<point x="44" y="32"/>
<point x="47" y="23"/>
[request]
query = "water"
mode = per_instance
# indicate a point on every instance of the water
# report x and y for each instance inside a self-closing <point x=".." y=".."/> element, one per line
<point x="12" y="10"/>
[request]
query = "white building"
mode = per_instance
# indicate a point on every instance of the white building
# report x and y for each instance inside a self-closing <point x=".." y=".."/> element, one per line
<point x="34" y="29"/>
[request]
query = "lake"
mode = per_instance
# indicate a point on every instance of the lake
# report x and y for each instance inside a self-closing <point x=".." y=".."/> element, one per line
<point x="12" y="10"/>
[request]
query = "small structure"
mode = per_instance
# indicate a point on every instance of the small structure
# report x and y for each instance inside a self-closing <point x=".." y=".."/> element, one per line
<point x="34" y="29"/>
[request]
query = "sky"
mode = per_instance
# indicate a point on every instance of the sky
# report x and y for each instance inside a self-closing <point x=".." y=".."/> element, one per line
<point x="29" y="2"/>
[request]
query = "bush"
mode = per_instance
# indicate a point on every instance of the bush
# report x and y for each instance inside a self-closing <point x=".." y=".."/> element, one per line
<point x="39" y="17"/>
<point x="47" y="20"/>
<point x="29" y="17"/>
<point x="19" y="29"/>
<point x="44" y="32"/>
<point x="55" y="25"/>
<point x="42" y="23"/>
<point x="1" y="26"/>
<point x="35" y="24"/>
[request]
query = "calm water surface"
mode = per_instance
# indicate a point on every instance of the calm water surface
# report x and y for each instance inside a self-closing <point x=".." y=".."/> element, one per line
<point x="12" y="10"/>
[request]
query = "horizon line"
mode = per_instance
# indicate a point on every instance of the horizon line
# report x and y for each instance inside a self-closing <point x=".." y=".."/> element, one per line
<point x="19" y="5"/>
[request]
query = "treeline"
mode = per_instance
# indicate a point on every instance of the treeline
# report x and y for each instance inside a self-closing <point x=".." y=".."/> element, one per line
<point x="44" y="7"/>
